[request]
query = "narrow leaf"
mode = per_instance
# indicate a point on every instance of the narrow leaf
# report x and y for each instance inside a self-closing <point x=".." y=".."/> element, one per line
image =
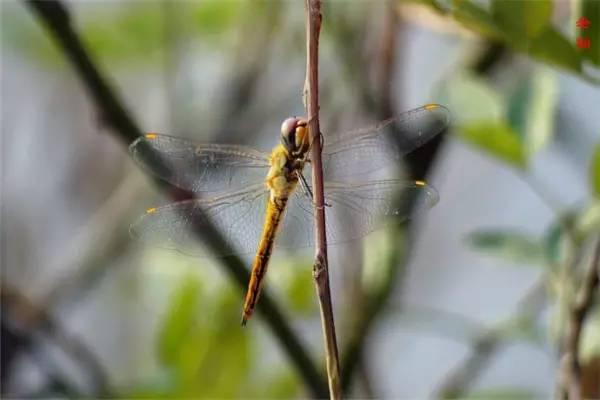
<point x="553" y="48"/>
<point x="590" y="9"/>
<point x="522" y="19"/>
<point x="512" y="246"/>
<point x="498" y="139"/>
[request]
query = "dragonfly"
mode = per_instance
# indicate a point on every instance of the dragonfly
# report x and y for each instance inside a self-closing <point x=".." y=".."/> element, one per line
<point x="258" y="199"/>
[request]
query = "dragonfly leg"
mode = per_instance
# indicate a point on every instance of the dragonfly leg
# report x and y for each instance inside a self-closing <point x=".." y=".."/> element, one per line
<point x="306" y="189"/>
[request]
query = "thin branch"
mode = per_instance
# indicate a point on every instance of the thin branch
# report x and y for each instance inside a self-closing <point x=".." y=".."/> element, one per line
<point x="24" y="319"/>
<point x="55" y="16"/>
<point x="321" y="267"/>
<point x="583" y="303"/>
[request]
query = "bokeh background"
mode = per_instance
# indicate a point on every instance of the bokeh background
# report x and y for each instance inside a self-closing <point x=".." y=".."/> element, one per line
<point x="468" y="299"/>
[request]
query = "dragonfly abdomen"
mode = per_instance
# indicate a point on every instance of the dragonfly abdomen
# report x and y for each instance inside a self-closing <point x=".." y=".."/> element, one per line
<point x="274" y="214"/>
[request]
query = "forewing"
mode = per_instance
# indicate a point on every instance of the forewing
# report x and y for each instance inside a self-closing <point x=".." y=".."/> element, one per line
<point x="357" y="154"/>
<point x="355" y="210"/>
<point x="238" y="217"/>
<point x="199" y="168"/>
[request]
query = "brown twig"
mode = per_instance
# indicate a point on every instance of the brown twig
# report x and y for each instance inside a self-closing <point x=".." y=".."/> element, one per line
<point x="321" y="267"/>
<point x="55" y="16"/>
<point x="571" y="386"/>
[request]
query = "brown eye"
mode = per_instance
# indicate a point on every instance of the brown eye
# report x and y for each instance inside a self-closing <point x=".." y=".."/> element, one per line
<point x="288" y="133"/>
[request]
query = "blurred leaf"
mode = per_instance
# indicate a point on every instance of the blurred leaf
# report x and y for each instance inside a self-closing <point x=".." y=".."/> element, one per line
<point x="133" y="32"/>
<point x="553" y="48"/>
<point x="590" y="339"/>
<point x="477" y="18"/>
<point x="521" y="19"/>
<point x="541" y="109"/>
<point x="591" y="10"/>
<point x="595" y="171"/>
<point x="496" y="138"/>
<point x="523" y="25"/>
<point x="228" y="358"/>
<point x="179" y="320"/>
<point x="472" y="99"/>
<point x="521" y="327"/>
<point x="588" y="220"/>
<point x="479" y="117"/>
<point x="300" y="291"/>
<point x="502" y="393"/>
<point x="375" y="251"/>
<point x="284" y="385"/>
<point x="512" y="246"/>
<point x="531" y="109"/>
<point x="555" y="241"/>
<point x="215" y="16"/>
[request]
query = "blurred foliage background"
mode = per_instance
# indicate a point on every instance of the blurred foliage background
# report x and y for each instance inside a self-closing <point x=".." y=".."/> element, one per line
<point x="473" y="299"/>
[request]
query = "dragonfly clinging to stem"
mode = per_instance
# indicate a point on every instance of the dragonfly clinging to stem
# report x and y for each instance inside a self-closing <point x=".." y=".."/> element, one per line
<point x="253" y="198"/>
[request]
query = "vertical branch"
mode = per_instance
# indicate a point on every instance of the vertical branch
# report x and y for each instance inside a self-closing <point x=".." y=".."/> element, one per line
<point x="571" y="375"/>
<point x="321" y="267"/>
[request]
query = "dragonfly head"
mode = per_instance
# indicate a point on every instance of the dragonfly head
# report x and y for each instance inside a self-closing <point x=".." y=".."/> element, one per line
<point x="295" y="137"/>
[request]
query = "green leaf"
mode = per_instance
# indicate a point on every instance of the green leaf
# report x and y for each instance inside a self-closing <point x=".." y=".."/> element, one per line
<point x="513" y="246"/>
<point x="478" y="19"/>
<point x="541" y="107"/>
<point x="553" y="48"/>
<point x="179" y="320"/>
<point x="522" y="19"/>
<point x="590" y="9"/>
<point x="498" y="139"/>
<point x="595" y="171"/>
<point x="531" y="109"/>
<point x="472" y="99"/>
<point x="502" y="393"/>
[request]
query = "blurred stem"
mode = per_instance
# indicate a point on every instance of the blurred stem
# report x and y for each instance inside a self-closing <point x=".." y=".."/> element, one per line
<point x="321" y="266"/>
<point x="365" y="377"/>
<point x="456" y="384"/>
<point x="55" y="16"/>
<point x="571" y="387"/>
<point x="21" y="319"/>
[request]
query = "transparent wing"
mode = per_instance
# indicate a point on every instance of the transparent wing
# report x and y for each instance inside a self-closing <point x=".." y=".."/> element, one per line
<point x="237" y="216"/>
<point x="199" y="168"/>
<point x="358" y="153"/>
<point x="354" y="210"/>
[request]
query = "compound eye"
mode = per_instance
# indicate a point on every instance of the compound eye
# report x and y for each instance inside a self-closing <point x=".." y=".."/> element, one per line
<point x="288" y="133"/>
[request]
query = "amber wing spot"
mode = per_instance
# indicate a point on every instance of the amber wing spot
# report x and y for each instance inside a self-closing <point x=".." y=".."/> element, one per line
<point x="420" y="183"/>
<point x="150" y="136"/>
<point x="151" y="210"/>
<point x="431" y="106"/>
